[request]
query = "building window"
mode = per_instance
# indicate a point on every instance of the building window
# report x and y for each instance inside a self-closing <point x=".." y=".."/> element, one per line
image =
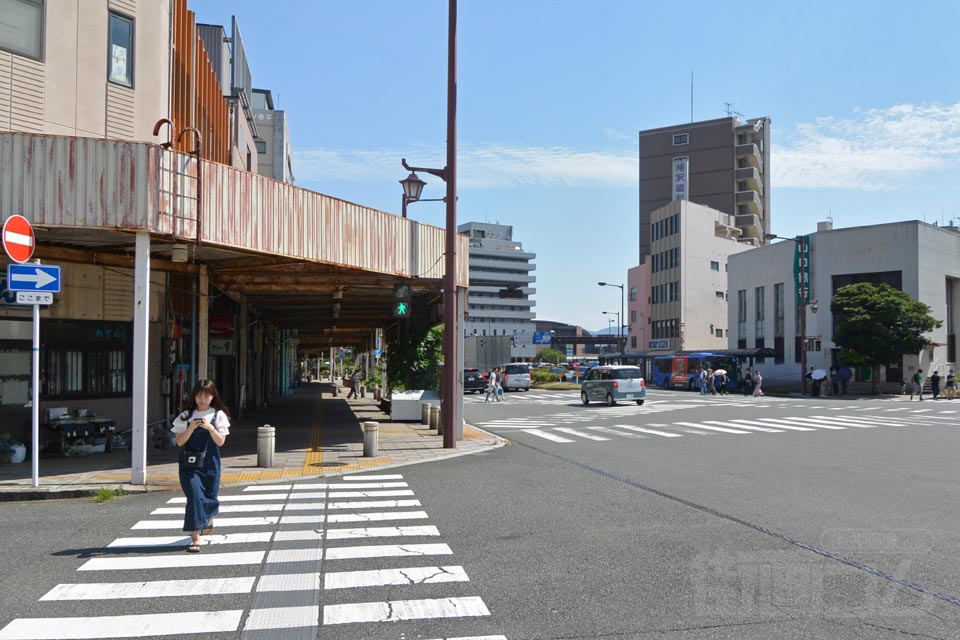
<point x="633" y="293"/>
<point x="718" y="294"/>
<point x="742" y="315"/>
<point x="681" y="138"/>
<point x="760" y="312"/>
<point x="120" y="55"/>
<point x="714" y="265"/>
<point x="261" y="146"/>
<point x="719" y="333"/>
<point x="86" y="359"/>
<point x="21" y="27"/>
<point x="633" y="315"/>
<point x="778" y="310"/>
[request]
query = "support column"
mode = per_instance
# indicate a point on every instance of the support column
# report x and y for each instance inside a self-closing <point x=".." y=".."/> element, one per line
<point x="141" y="343"/>
<point x="458" y="418"/>
<point x="242" y="356"/>
<point x="203" y="323"/>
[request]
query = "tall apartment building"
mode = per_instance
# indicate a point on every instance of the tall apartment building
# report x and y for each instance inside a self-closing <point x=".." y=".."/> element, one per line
<point x="723" y="164"/>
<point x="497" y="263"/>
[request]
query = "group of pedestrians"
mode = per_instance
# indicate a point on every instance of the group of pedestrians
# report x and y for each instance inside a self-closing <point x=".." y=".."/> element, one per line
<point x="493" y="385"/>
<point x="713" y="382"/>
<point x="915" y="386"/>
<point x="753" y="383"/>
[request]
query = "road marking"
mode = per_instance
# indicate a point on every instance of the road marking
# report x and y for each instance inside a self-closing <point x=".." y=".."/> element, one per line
<point x="778" y="423"/>
<point x="650" y="431"/>
<point x="135" y="626"/>
<point x="404" y="610"/>
<point x="741" y="426"/>
<point x="185" y="561"/>
<point x="391" y="476"/>
<point x="182" y="541"/>
<point x="364" y="485"/>
<point x="240" y="498"/>
<point x="158" y="589"/>
<point x="227" y="508"/>
<point x="376" y="516"/>
<point x="369" y="494"/>
<point x="309" y="495"/>
<point x="615" y="432"/>
<point x="864" y="422"/>
<point x="282" y="618"/>
<point x="374" y="504"/>
<point x="393" y="577"/>
<point x="381" y="532"/>
<point x="298" y="534"/>
<point x="269" y="487"/>
<point x="289" y="582"/>
<point x="818" y="423"/>
<point x="311" y="519"/>
<point x="387" y="551"/>
<point x="283" y="556"/>
<point x="306" y="506"/>
<point x="547" y="435"/>
<point x="221" y="522"/>
<point x="921" y="410"/>
<point x="581" y="434"/>
<point x="697" y="425"/>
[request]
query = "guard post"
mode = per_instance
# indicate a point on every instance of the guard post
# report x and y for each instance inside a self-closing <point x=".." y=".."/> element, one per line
<point x="266" y="441"/>
<point x="371" y="439"/>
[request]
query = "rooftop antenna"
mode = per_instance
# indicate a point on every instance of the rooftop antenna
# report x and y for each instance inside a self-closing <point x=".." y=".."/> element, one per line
<point x="729" y="111"/>
<point x="830" y="216"/>
<point x="691" y="95"/>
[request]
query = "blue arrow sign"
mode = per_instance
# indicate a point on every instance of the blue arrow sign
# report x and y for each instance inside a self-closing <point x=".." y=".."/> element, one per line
<point x="33" y="277"/>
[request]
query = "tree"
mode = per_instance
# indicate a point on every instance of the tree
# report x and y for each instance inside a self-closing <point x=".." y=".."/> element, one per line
<point x="413" y="361"/>
<point x="553" y="356"/>
<point x="878" y="325"/>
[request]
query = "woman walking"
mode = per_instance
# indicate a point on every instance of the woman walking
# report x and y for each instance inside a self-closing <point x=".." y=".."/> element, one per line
<point x="201" y="430"/>
<point x="757" y="382"/>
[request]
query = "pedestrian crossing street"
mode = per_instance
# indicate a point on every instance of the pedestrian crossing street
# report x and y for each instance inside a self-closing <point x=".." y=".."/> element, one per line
<point x="685" y="399"/>
<point x="578" y="427"/>
<point x="303" y="555"/>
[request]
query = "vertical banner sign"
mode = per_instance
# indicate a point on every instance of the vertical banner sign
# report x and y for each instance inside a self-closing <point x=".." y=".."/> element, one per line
<point x="680" y="179"/>
<point x="221" y="332"/>
<point x="801" y="269"/>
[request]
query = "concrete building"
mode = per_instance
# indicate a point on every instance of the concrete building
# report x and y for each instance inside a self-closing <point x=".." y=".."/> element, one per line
<point x="690" y="246"/>
<point x="920" y="259"/>
<point x="497" y="264"/>
<point x="178" y="263"/>
<point x="275" y="153"/>
<point x="638" y="308"/>
<point x="723" y="164"/>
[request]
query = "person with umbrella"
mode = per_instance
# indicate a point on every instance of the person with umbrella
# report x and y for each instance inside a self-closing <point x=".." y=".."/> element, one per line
<point x="834" y="381"/>
<point x="845" y="375"/>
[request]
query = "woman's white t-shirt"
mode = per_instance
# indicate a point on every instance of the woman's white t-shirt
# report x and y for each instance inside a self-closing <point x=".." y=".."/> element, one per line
<point x="221" y="424"/>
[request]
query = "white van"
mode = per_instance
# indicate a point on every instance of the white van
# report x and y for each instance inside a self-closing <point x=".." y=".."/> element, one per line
<point x="611" y="383"/>
<point x="515" y="375"/>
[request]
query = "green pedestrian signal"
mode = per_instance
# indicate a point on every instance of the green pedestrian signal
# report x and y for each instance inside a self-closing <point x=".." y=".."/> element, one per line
<point x="401" y="309"/>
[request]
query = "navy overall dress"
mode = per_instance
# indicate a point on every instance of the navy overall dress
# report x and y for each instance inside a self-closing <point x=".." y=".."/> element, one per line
<point x="201" y="486"/>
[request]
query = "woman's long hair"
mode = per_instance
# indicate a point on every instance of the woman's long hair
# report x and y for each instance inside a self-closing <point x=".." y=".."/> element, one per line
<point x="206" y="385"/>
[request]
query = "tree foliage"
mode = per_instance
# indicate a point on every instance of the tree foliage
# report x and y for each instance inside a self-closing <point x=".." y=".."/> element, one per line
<point x="413" y="361"/>
<point x="553" y="356"/>
<point x="878" y="325"/>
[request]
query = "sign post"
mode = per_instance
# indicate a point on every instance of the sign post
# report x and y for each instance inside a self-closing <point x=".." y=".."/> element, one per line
<point x="35" y="285"/>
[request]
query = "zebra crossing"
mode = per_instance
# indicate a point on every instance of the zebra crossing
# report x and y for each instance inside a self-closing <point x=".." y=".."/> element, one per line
<point x="569" y="428"/>
<point x="292" y="560"/>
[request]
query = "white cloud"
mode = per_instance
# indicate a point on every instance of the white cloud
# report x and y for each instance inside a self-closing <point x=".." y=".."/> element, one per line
<point x="878" y="149"/>
<point x="479" y="165"/>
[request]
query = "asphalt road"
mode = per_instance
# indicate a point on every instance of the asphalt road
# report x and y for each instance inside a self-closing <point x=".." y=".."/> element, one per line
<point x="787" y="529"/>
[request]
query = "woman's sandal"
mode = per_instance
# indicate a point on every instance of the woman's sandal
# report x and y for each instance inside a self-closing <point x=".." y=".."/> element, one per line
<point x="193" y="548"/>
<point x="207" y="530"/>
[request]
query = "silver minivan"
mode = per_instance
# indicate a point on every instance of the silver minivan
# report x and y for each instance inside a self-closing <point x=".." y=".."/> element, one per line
<point x="515" y="376"/>
<point x="611" y="383"/>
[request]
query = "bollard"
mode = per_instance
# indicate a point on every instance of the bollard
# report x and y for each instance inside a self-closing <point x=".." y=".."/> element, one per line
<point x="435" y="417"/>
<point x="265" y="444"/>
<point x="371" y="439"/>
<point x="425" y="413"/>
<point x="363" y="392"/>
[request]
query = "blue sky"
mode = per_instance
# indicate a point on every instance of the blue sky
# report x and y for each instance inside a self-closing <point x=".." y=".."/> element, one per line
<point x="864" y="100"/>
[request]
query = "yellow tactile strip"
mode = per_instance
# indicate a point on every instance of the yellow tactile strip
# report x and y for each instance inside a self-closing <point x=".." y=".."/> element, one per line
<point x="314" y="457"/>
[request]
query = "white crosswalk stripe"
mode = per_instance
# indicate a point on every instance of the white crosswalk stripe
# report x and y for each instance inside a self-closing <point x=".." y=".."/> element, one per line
<point x="315" y="550"/>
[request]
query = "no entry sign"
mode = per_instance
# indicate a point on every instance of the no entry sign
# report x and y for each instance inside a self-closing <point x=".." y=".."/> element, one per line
<point x="18" y="238"/>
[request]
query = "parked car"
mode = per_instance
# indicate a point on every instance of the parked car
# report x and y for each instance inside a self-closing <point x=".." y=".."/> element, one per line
<point x="611" y="383"/>
<point x="473" y="381"/>
<point x="515" y="376"/>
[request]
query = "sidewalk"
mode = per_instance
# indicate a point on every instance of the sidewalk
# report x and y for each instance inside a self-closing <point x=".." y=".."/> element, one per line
<point x="314" y="437"/>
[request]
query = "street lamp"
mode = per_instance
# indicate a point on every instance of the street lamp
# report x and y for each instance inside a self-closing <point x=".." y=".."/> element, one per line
<point x="619" y="324"/>
<point x="610" y="320"/>
<point x="412" y="188"/>
<point x="804" y="285"/>
<point x="451" y="327"/>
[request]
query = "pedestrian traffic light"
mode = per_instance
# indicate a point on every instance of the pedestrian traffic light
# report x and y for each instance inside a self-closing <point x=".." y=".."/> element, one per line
<point x="401" y="291"/>
<point x="401" y="309"/>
